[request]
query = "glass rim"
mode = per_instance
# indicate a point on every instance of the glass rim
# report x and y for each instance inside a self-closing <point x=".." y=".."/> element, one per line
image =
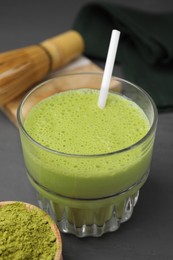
<point x="30" y="92"/>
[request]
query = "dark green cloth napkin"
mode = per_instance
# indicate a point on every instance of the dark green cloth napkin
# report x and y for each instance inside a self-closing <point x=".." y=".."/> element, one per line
<point x="146" y="45"/>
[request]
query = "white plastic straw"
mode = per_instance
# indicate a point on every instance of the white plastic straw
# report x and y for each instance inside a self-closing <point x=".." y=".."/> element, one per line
<point x="108" y="68"/>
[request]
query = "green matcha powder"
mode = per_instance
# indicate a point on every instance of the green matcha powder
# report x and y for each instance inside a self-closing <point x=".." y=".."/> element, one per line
<point x="25" y="234"/>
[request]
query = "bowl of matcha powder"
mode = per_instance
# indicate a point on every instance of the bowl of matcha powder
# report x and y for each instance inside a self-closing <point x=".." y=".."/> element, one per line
<point x="27" y="232"/>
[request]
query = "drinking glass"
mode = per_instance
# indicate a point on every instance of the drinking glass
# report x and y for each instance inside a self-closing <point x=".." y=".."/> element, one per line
<point x="81" y="205"/>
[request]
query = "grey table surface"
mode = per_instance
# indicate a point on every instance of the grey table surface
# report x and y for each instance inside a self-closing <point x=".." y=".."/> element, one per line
<point x="149" y="233"/>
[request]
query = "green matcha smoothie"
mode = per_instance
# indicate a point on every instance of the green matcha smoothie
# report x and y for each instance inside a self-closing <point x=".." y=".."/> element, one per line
<point x="72" y="123"/>
<point x="86" y="163"/>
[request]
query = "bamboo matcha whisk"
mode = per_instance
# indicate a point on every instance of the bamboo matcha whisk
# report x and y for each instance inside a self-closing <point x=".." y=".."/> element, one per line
<point x="21" y="68"/>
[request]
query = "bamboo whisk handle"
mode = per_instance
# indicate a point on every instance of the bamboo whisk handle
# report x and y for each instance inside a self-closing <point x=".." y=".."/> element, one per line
<point x="63" y="48"/>
<point x="22" y="68"/>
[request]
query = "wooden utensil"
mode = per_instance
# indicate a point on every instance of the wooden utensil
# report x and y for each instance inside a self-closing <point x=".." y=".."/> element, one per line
<point x="21" y="68"/>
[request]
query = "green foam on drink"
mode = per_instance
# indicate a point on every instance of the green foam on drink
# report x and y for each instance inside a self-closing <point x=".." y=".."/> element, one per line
<point x="71" y="122"/>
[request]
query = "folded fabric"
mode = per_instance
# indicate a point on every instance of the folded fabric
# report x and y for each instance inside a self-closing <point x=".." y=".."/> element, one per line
<point x="145" y="50"/>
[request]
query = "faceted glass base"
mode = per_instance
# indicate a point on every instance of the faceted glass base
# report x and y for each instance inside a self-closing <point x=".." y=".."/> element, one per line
<point x="93" y="221"/>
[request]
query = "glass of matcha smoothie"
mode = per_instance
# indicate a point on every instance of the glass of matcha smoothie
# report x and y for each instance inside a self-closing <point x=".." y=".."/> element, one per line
<point x="87" y="164"/>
